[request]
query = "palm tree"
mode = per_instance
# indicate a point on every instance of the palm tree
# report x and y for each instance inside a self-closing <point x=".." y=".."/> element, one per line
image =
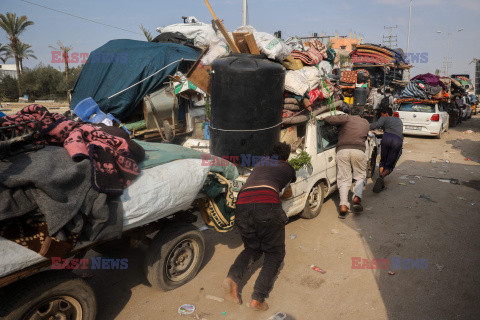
<point x="65" y="51"/>
<point x="3" y="53"/>
<point x="14" y="26"/>
<point x="24" y="51"/>
<point x="146" y="33"/>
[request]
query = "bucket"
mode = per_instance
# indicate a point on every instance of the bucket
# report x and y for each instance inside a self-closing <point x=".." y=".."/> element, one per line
<point x="88" y="110"/>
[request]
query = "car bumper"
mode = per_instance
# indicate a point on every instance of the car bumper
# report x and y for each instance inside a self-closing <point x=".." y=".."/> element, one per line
<point x="431" y="129"/>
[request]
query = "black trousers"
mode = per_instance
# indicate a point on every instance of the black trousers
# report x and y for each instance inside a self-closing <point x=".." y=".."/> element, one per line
<point x="262" y="227"/>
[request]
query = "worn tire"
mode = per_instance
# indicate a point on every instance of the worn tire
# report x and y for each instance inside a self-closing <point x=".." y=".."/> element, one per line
<point x="169" y="249"/>
<point x="372" y="163"/>
<point x="68" y="294"/>
<point x="311" y="211"/>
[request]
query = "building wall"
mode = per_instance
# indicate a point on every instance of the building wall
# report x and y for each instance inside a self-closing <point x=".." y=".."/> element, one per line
<point x="8" y="69"/>
<point x="344" y="43"/>
<point x="477" y="76"/>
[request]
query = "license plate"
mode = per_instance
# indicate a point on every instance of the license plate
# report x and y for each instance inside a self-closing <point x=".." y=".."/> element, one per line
<point x="237" y="185"/>
<point x="413" y="128"/>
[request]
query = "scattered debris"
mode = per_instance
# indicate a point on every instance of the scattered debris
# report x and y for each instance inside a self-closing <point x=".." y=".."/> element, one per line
<point x="424" y="196"/>
<point x="209" y="297"/>
<point x="468" y="132"/>
<point x="402" y="184"/>
<point x="462" y="198"/>
<point x="439" y="267"/>
<point x="186" y="309"/>
<point x="433" y="161"/>
<point x="468" y="159"/>
<point x="369" y="209"/>
<point x="473" y="203"/>
<point x="318" y="269"/>
<point x="278" y="316"/>
<point x="370" y="237"/>
<point x="402" y="234"/>
<point x="447" y="161"/>
<point x="418" y="177"/>
<point x="224" y="313"/>
<point x="334" y="231"/>
<point x="391" y="273"/>
<point x="411" y="182"/>
<point x="293" y="236"/>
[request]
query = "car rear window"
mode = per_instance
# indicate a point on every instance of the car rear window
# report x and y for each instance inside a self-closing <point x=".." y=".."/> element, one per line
<point x="416" y="107"/>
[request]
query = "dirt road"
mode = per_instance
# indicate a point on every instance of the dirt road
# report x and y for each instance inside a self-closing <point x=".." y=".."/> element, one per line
<point x="416" y="217"/>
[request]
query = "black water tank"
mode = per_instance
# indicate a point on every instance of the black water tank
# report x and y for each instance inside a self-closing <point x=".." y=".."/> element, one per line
<point x="247" y="103"/>
<point x="360" y="96"/>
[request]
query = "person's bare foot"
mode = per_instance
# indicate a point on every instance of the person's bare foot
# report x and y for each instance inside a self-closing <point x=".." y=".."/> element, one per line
<point x="231" y="291"/>
<point x="259" y="306"/>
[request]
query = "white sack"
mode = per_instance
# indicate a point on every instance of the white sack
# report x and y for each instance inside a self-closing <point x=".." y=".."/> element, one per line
<point x="296" y="82"/>
<point x="273" y="47"/>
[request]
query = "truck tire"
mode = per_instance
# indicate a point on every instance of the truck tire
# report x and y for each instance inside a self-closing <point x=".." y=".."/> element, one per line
<point x="175" y="256"/>
<point x="372" y="164"/>
<point x="314" y="201"/>
<point x="49" y="295"/>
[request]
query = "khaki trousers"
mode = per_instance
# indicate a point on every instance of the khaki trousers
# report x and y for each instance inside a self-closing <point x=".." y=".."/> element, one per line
<point x="351" y="164"/>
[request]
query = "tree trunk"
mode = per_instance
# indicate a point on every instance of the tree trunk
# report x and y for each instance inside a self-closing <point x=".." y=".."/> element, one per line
<point x="21" y="65"/>
<point x="65" y="58"/>
<point x="18" y="75"/>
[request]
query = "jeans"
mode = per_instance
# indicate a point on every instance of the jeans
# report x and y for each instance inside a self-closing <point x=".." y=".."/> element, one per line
<point x="262" y="227"/>
<point x="391" y="150"/>
<point x="348" y="161"/>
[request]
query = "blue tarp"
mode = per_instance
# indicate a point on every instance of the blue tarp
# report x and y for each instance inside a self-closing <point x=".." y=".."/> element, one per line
<point x="120" y="63"/>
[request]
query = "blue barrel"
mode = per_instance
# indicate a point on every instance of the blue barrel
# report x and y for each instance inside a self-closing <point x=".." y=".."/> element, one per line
<point x="247" y="103"/>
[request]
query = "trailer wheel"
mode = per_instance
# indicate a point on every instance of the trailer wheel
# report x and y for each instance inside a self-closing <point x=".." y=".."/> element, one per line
<point x="49" y="295"/>
<point x="314" y="202"/>
<point x="175" y="256"/>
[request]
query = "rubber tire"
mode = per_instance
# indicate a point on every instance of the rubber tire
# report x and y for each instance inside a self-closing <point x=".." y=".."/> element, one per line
<point x="26" y="293"/>
<point x="161" y="246"/>
<point x="372" y="164"/>
<point x="439" y="135"/>
<point x="307" y="212"/>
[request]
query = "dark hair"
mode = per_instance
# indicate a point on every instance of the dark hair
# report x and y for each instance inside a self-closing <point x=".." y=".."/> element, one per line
<point x="387" y="110"/>
<point x="280" y="150"/>
<point x="385" y="103"/>
<point x="356" y="111"/>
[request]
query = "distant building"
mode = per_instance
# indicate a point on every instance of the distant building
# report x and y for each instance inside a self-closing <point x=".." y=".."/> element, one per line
<point x="8" y="70"/>
<point x="345" y="44"/>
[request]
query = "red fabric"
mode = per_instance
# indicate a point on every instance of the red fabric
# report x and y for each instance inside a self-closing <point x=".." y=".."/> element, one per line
<point x="261" y="195"/>
<point x="315" y="94"/>
<point x="113" y="166"/>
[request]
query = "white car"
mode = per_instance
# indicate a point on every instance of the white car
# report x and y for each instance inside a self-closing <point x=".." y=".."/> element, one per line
<point x="423" y="119"/>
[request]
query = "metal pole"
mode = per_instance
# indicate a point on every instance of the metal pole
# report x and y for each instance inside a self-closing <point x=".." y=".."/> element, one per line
<point x="409" y="25"/>
<point x="448" y="55"/>
<point x="245" y="13"/>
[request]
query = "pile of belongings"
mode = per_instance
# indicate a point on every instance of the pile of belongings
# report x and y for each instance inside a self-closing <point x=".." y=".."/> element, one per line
<point x="424" y="87"/>
<point x="67" y="191"/>
<point x="373" y="54"/>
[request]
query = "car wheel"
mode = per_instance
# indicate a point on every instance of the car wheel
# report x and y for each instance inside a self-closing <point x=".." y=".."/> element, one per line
<point x="175" y="256"/>
<point x="314" y="201"/>
<point x="49" y="295"/>
<point x="372" y="164"/>
<point x="439" y="135"/>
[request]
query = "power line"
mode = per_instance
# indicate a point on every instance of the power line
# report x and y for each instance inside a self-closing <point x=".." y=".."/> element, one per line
<point x="72" y="15"/>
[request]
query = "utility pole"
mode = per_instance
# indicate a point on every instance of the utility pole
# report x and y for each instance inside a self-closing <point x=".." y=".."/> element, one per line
<point x="245" y="13"/>
<point x="447" y="62"/>
<point x="409" y="25"/>
<point x="390" y="41"/>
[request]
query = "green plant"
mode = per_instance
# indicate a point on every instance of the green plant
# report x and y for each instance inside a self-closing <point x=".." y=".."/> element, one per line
<point x="302" y="160"/>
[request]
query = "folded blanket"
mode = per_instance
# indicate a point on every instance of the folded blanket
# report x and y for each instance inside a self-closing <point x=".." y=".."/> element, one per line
<point x="430" y="79"/>
<point x="348" y="77"/>
<point x="321" y="48"/>
<point x="113" y="156"/>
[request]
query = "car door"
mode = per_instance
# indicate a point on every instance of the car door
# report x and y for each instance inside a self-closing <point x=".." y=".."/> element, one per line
<point x="327" y="141"/>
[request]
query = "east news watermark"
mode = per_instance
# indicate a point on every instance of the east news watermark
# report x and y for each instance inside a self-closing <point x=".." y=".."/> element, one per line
<point x="97" y="263"/>
<point x="96" y="57"/>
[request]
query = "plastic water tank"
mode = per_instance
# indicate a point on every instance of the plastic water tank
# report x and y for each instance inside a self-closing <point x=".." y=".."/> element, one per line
<point x="360" y="96"/>
<point x="246" y="107"/>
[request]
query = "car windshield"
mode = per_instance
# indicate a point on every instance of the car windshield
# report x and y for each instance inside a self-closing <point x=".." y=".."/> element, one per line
<point x="416" y="107"/>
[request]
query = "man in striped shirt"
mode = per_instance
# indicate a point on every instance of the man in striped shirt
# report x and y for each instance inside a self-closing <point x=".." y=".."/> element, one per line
<point x="261" y="221"/>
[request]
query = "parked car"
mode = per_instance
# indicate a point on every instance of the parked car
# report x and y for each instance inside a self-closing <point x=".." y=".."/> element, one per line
<point x="423" y="119"/>
<point x="316" y="182"/>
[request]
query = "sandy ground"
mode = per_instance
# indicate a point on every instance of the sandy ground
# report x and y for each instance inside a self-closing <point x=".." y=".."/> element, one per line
<point x="10" y="108"/>
<point x="442" y="227"/>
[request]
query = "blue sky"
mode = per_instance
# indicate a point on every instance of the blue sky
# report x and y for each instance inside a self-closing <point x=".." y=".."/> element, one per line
<point x="301" y="17"/>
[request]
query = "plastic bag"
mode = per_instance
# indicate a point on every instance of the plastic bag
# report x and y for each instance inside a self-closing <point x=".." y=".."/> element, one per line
<point x="201" y="33"/>
<point x="217" y="49"/>
<point x="313" y="75"/>
<point x="296" y="82"/>
<point x="273" y="47"/>
<point x="295" y="43"/>
<point x="325" y="68"/>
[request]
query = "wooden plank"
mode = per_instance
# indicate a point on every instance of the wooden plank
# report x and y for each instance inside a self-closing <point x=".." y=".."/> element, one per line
<point x="229" y="40"/>
<point x="243" y="46"/>
<point x="252" y="45"/>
